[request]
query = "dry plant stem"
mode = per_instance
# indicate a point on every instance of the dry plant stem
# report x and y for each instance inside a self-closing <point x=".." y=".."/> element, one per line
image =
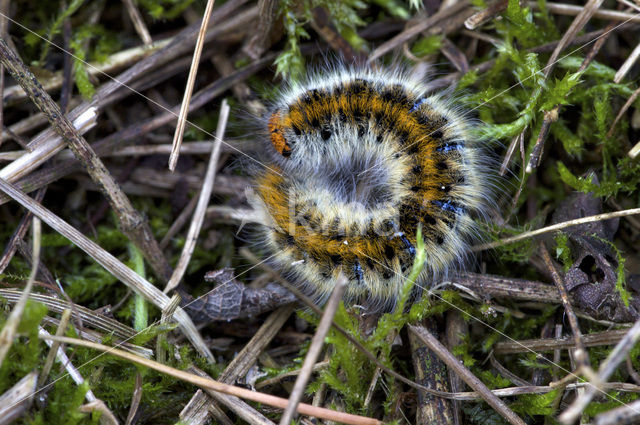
<point x="538" y="148"/>
<point x="580" y="352"/>
<point x="421" y="26"/>
<point x="259" y="42"/>
<point x="507" y="156"/>
<point x="551" y="116"/>
<point x="634" y="151"/>
<point x="555" y="370"/>
<point x="56" y="171"/>
<point x="138" y="22"/>
<point x="484" y="66"/>
<point x="189" y="148"/>
<point x="110" y="263"/>
<point x="430" y="371"/>
<point x="18" y="235"/>
<point x="623" y="110"/>
<point x="197" y="411"/>
<point x="233" y="403"/>
<point x="319" y="396"/>
<point x="131" y="221"/>
<point x="167" y="313"/>
<point x="17" y="138"/>
<point x="240" y="215"/>
<point x="515" y="379"/>
<point x="456" y="330"/>
<point x="374" y="382"/>
<point x="11" y="325"/>
<point x="627" y="414"/>
<point x="17" y="399"/>
<point x="503" y="287"/>
<point x="180" y="221"/>
<point x="455" y="55"/>
<point x="606" y="369"/>
<point x="106" y="417"/>
<point x="203" y="201"/>
<point x="113" y="62"/>
<point x="515" y="391"/>
<point x="64" y="360"/>
<point x="451" y="361"/>
<point x="47" y="144"/>
<point x="51" y="356"/>
<point x="267" y="399"/>
<point x="216" y="411"/>
<point x="562" y="384"/>
<point x="184" y="108"/>
<point x="4" y="8"/>
<point x="478" y="19"/>
<point x="10" y="155"/>
<point x="309" y="303"/>
<point x="87" y="316"/>
<point x="378" y="373"/>
<point x="247" y="357"/>
<point x="95" y="336"/>
<point x="555" y="227"/>
<point x="314" y="349"/>
<point x="578" y="23"/>
<point x="631" y="371"/>
<point x="481" y="36"/>
<point x="323" y="25"/>
<point x="135" y="399"/>
<point x="629" y="4"/>
<point x="573" y="10"/>
<point x="272" y="381"/>
<point x="23" y="126"/>
<point x="548" y="344"/>
<point x="627" y="65"/>
<point x="162" y="52"/>
<point x="243" y="362"/>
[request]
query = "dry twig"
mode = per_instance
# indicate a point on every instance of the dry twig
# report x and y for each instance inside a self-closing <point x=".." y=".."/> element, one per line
<point x="184" y="108"/>
<point x="606" y="369"/>
<point x="11" y="325"/>
<point x="203" y="201"/>
<point x="110" y="263"/>
<point x="270" y="400"/>
<point x="131" y="221"/>
<point x="556" y="227"/>
<point x="580" y="352"/>
<point x="314" y="349"/>
<point x="464" y="373"/>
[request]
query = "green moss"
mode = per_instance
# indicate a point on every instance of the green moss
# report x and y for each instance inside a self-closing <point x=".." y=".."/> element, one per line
<point x="344" y="14"/>
<point x="427" y="46"/>
<point x="510" y="99"/>
<point x="621" y="280"/>
<point x="535" y="404"/>
<point x="482" y="414"/>
<point x="26" y="351"/>
<point x="614" y="400"/>
<point x="164" y="9"/>
<point x="56" y="26"/>
<point x="563" y="252"/>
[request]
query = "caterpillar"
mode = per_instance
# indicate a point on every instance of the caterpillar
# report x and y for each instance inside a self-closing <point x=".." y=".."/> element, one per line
<point x="357" y="160"/>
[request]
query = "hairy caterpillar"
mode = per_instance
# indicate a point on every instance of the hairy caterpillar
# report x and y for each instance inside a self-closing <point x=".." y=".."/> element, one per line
<point x="358" y="160"/>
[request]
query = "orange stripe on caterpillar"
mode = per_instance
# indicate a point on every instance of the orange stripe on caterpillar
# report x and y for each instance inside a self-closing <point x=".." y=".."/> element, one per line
<point x="277" y="137"/>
